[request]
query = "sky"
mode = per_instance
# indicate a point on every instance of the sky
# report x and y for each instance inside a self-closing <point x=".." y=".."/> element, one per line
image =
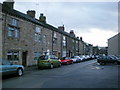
<point x="94" y="21"/>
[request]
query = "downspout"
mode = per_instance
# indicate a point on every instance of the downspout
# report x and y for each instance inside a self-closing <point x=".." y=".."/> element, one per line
<point x="52" y="41"/>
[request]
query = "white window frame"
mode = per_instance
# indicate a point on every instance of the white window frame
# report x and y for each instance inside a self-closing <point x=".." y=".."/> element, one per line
<point x="17" y="33"/>
<point x="10" y="32"/>
<point x="14" y="21"/>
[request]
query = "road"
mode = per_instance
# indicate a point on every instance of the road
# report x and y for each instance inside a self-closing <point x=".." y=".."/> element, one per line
<point x="87" y="74"/>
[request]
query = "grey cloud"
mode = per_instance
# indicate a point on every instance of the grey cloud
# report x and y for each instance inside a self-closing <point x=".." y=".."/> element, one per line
<point x="82" y="15"/>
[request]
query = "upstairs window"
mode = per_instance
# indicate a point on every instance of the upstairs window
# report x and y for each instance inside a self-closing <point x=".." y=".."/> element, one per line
<point x="17" y="33"/>
<point x="13" y="32"/>
<point x="14" y="22"/>
<point x="38" y="34"/>
<point x="44" y="39"/>
<point x="55" y="38"/>
<point x="64" y="41"/>
<point x="10" y="32"/>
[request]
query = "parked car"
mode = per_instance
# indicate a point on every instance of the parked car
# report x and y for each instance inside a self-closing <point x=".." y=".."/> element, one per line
<point x="48" y="61"/>
<point x="66" y="60"/>
<point x="82" y="57"/>
<point x="7" y="68"/>
<point x="108" y="59"/>
<point x="76" y="59"/>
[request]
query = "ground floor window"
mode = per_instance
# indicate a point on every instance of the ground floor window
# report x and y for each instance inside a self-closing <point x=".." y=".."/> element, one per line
<point x="37" y="55"/>
<point x="13" y="55"/>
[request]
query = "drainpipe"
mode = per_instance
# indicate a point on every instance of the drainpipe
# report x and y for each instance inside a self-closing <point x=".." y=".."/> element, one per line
<point x="52" y="40"/>
<point x="3" y="38"/>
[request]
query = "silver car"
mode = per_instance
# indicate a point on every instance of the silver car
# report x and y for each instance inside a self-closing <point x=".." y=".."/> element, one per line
<point x="7" y="68"/>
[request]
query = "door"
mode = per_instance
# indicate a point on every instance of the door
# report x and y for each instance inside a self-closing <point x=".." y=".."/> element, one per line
<point x="24" y="58"/>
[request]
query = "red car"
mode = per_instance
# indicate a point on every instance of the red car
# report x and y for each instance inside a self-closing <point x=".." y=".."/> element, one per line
<point x="66" y="60"/>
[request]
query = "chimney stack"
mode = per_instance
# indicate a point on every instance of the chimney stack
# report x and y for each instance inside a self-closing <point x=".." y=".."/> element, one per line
<point x="31" y="13"/>
<point x="61" y="28"/>
<point x="81" y="38"/>
<point x="42" y="18"/>
<point x="9" y="4"/>
<point x="72" y="33"/>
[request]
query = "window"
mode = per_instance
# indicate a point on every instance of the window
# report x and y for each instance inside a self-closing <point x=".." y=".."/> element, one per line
<point x="10" y="31"/>
<point x="44" y="39"/>
<point x="13" y="32"/>
<point x="64" y="41"/>
<point x="36" y="55"/>
<point x="53" y="57"/>
<point x="17" y="33"/>
<point x="44" y="57"/>
<point x="38" y="30"/>
<point x="14" y="22"/>
<point x="13" y="55"/>
<point x="38" y="34"/>
<point x="54" y="38"/>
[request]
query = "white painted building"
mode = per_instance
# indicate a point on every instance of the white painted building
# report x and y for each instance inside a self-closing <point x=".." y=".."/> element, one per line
<point x="114" y="45"/>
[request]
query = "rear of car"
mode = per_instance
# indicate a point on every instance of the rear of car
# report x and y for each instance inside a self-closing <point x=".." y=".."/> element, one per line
<point x="48" y="61"/>
<point x="66" y="60"/>
<point x="76" y="59"/>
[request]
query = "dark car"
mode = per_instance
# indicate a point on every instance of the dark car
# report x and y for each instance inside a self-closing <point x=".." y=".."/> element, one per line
<point x="108" y="59"/>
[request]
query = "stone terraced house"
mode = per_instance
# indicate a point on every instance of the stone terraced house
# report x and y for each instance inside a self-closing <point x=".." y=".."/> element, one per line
<point x="23" y="38"/>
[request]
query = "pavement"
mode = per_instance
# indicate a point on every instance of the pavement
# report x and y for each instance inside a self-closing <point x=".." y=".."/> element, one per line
<point x="29" y="68"/>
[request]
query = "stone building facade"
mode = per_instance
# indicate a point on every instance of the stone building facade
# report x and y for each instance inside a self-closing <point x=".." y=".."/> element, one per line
<point x="25" y="38"/>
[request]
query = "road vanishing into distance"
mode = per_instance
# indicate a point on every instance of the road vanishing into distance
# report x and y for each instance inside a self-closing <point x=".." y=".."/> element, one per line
<point x="88" y="74"/>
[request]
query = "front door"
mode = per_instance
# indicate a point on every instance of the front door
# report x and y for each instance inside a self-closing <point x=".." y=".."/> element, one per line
<point x="24" y="58"/>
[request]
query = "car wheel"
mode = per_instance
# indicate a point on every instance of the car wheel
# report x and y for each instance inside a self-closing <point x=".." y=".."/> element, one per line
<point x="19" y="72"/>
<point x="102" y="63"/>
<point x="67" y="63"/>
<point x="51" y="66"/>
<point x="60" y="65"/>
<point x="72" y="62"/>
<point x="116" y="63"/>
<point x="40" y="68"/>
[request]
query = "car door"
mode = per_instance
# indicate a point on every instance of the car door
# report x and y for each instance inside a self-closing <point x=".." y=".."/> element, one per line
<point x="7" y="67"/>
<point x="111" y="60"/>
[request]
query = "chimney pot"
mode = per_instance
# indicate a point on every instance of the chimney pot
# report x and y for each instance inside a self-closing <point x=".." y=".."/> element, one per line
<point x="42" y="18"/>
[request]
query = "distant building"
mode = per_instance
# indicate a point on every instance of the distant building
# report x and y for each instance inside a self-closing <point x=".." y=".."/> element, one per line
<point x="114" y="45"/>
<point x="103" y="50"/>
<point x="95" y="50"/>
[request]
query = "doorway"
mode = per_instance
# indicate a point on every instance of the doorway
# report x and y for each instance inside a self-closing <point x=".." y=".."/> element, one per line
<point x="24" y="58"/>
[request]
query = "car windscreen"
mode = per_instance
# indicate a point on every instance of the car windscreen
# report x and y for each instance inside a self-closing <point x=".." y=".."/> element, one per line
<point x="4" y="62"/>
<point x="67" y="57"/>
<point x="43" y="58"/>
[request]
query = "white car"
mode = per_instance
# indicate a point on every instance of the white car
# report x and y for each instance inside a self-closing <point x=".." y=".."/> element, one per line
<point x="82" y="57"/>
<point x="76" y="59"/>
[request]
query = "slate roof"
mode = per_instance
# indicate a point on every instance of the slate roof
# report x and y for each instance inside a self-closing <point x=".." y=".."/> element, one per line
<point x="21" y="15"/>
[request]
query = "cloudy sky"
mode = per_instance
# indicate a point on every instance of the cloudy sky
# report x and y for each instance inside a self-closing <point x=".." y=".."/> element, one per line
<point x="94" y="21"/>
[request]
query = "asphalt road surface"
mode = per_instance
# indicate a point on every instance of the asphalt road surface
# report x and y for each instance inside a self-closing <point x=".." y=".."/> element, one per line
<point x="87" y="74"/>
